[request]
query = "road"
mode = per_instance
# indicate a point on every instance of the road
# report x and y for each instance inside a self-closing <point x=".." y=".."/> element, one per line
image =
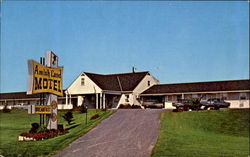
<point x="126" y="133"/>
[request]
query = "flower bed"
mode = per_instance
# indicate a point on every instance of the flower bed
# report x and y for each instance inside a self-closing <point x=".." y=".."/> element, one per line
<point x="127" y="106"/>
<point x="40" y="135"/>
<point x="94" y="116"/>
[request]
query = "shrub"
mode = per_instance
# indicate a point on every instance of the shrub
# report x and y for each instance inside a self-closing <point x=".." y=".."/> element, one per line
<point x="195" y="103"/>
<point x="35" y="127"/>
<point x="124" y="106"/>
<point x="129" y="106"/>
<point x="178" y="110"/>
<point x="94" y="117"/>
<point x="6" y="109"/>
<point x="76" y="108"/>
<point x="68" y="117"/>
<point x="136" y="107"/>
<point x="83" y="109"/>
<point x="60" y="127"/>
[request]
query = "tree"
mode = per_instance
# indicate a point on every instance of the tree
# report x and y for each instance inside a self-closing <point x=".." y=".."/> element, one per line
<point x="68" y="117"/>
<point x="35" y="127"/>
<point x="195" y="103"/>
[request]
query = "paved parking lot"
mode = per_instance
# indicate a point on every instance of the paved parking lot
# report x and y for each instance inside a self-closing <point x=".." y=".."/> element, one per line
<point x="126" y="133"/>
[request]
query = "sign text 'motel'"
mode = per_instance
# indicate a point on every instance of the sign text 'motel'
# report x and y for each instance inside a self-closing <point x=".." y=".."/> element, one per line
<point x="43" y="79"/>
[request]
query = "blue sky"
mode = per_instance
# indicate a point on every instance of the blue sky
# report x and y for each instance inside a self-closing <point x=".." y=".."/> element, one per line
<point x="175" y="41"/>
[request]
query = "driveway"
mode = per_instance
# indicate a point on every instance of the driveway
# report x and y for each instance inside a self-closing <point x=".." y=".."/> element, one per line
<point x="126" y="133"/>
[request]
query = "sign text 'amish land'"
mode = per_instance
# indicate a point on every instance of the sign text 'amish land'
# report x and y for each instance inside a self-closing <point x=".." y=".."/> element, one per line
<point x="44" y="79"/>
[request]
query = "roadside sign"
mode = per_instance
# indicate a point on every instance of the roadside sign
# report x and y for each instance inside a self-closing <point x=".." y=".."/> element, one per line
<point x="43" y="109"/>
<point x="44" y="79"/>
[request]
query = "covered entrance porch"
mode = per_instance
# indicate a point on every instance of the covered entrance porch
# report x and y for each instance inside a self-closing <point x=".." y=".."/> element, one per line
<point x="98" y="100"/>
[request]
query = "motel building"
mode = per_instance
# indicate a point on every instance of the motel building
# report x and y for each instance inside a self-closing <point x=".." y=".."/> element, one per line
<point x="110" y="91"/>
<point x="236" y="92"/>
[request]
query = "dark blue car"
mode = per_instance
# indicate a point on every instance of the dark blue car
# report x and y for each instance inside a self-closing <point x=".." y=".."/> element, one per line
<point x="214" y="103"/>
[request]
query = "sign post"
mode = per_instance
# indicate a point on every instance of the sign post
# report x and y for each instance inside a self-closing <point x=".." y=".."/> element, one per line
<point x="52" y="62"/>
<point x="46" y="79"/>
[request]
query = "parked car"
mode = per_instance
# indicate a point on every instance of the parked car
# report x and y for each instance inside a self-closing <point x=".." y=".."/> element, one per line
<point x="182" y="104"/>
<point x="215" y="103"/>
<point x="187" y="104"/>
<point x="20" y="106"/>
<point x="152" y="104"/>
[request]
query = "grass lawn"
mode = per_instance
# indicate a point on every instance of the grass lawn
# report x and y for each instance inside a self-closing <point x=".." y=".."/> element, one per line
<point x="206" y="133"/>
<point x="18" y="121"/>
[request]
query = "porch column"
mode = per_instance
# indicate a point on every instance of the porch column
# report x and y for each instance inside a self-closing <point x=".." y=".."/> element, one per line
<point x="96" y="101"/>
<point x="66" y="99"/>
<point x="100" y="104"/>
<point x="165" y="100"/>
<point x="182" y="96"/>
<point x="70" y="99"/>
<point x="103" y="103"/>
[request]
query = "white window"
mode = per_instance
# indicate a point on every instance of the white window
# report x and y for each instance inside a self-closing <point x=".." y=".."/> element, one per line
<point x="194" y="96"/>
<point x="243" y="96"/>
<point x="82" y="82"/>
<point x="170" y="98"/>
<point x="224" y="96"/>
<point x="166" y="98"/>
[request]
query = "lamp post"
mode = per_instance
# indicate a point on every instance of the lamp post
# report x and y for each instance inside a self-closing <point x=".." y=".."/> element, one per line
<point x="86" y="113"/>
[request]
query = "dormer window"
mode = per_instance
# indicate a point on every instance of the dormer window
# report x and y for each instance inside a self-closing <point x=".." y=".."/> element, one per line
<point x="148" y="83"/>
<point x="82" y="82"/>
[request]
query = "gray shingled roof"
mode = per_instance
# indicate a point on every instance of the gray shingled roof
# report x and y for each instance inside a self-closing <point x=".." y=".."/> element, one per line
<point x="199" y="87"/>
<point x="20" y="95"/>
<point x="117" y="82"/>
<point x="17" y="95"/>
